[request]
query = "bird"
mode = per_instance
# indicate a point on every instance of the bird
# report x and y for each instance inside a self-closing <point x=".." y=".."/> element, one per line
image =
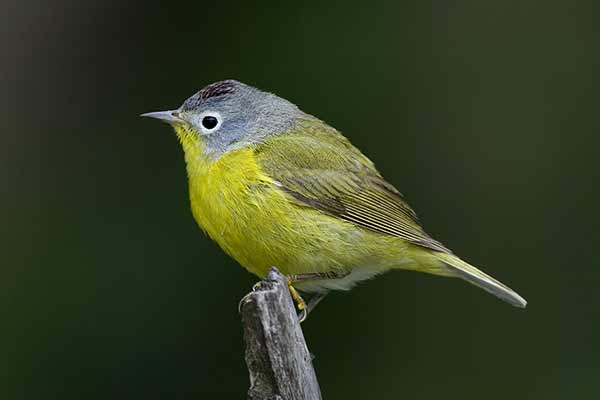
<point x="275" y="186"/>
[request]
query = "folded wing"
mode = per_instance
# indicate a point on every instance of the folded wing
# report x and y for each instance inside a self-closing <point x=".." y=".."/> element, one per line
<point x="319" y="168"/>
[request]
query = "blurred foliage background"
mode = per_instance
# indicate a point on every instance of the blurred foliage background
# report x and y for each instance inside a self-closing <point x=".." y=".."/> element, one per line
<point x="483" y="113"/>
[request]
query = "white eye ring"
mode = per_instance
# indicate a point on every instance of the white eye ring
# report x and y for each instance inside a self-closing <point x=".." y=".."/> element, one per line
<point x="209" y="122"/>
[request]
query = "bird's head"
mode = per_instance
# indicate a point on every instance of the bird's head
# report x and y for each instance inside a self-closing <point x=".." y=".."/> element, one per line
<point x="228" y="115"/>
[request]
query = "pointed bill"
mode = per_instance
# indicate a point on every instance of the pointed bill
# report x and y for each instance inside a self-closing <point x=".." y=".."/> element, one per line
<point x="171" y="117"/>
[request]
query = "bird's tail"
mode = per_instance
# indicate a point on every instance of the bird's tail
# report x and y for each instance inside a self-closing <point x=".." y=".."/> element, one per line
<point x="472" y="275"/>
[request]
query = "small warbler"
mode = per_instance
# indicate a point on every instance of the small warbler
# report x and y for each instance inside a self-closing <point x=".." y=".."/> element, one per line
<point x="274" y="186"/>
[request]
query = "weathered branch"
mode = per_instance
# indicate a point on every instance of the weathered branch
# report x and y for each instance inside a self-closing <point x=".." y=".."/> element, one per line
<point x="278" y="360"/>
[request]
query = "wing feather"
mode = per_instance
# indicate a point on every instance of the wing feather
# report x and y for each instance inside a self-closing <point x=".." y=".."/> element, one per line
<point x="319" y="168"/>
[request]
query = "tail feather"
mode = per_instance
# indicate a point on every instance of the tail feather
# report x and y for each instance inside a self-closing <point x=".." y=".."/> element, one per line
<point x="472" y="275"/>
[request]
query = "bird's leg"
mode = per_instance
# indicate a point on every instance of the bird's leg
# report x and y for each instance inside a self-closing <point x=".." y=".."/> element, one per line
<point x="300" y="303"/>
<point x="314" y="276"/>
<point x="305" y="308"/>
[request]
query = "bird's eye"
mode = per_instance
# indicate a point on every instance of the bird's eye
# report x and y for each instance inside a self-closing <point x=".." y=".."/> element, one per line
<point x="210" y="122"/>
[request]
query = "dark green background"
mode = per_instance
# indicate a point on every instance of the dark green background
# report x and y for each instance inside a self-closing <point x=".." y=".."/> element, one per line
<point x="484" y="113"/>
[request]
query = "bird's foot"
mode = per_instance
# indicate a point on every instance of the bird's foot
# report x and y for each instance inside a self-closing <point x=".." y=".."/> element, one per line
<point x="300" y="303"/>
<point x="255" y="287"/>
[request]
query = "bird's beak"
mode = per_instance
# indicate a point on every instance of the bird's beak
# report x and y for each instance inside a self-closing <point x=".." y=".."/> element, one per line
<point x="170" y="117"/>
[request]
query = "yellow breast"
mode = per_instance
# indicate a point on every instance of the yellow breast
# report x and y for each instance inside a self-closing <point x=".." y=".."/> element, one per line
<point x="245" y="212"/>
<point x="240" y="208"/>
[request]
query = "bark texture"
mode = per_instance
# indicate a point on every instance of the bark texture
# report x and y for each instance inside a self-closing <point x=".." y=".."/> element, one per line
<point x="278" y="360"/>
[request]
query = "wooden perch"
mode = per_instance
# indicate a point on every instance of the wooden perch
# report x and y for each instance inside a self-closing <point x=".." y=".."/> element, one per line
<point x="278" y="360"/>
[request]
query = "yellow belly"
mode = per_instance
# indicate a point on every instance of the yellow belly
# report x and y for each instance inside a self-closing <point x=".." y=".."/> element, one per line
<point x="257" y="224"/>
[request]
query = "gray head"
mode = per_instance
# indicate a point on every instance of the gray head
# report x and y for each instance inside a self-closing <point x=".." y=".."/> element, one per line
<point x="230" y="114"/>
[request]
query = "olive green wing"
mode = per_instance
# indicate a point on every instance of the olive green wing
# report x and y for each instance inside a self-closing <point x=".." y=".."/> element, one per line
<point x="320" y="168"/>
